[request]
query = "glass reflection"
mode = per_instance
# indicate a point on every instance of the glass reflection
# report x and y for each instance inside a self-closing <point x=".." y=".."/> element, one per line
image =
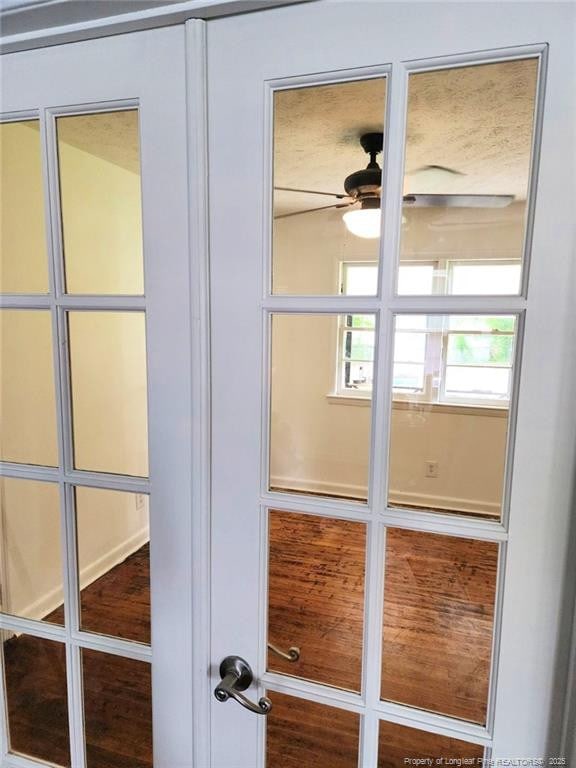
<point x="99" y="165"/>
<point x="467" y="165"/>
<point x="302" y="733"/>
<point x="109" y="391"/>
<point x="114" y="563"/>
<point x="316" y="574"/>
<point x="318" y="444"/>
<point x="398" y="743"/>
<point x="23" y="257"/>
<point x="439" y="594"/>
<point x="327" y="177"/>
<point x="36" y="698"/>
<point x="32" y="570"/>
<point x="452" y="387"/>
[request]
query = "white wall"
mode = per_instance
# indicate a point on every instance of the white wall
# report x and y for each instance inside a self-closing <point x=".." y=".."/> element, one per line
<point x="109" y="375"/>
<point x="320" y="444"/>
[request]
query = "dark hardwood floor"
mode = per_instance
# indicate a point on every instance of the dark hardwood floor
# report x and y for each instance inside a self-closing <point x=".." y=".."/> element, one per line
<point x="437" y="636"/>
<point x="117" y="691"/>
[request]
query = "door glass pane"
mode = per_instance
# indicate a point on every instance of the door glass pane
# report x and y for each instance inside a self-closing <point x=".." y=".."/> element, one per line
<point x="451" y="400"/>
<point x="32" y="570"/>
<point x="109" y="408"/>
<point x="439" y="594"/>
<point x="37" y="705"/>
<point x="319" y="445"/>
<point x="302" y="733"/>
<point x="23" y="258"/>
<point x="27" y="394"/>
<point x="99" y="163"/>
<point x="400" y="746"/>
<point x="316" y="576"/>
<point x="117" y="711"/>
<point x="114" y="563"/>
<point x="467" y="166"/>
<point x="326" y="212"/>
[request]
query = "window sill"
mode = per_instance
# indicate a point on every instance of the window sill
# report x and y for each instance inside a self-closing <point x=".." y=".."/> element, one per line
<point x="410" y="405"/>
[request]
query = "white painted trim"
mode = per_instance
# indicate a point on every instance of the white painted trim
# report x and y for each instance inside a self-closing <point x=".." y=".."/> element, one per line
<point x="430" y="501"/>
<point x="324" y="487"/>
<point x="148" y="18"/>
<point x="198" y="234"/>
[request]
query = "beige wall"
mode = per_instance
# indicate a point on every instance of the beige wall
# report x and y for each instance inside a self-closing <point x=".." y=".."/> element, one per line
<point x="109" y="376"/>
<point x="321" y="444"/>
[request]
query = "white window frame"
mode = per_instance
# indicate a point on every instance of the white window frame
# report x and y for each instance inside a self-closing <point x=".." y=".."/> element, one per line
<point x="436" y="349"/>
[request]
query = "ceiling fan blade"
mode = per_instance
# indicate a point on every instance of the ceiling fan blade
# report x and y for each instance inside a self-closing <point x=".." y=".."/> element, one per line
<point x="311" y="210"/>
<point x="457" y="201"/>
<point x="437" y="168"/>
<point x="340" y="196"/>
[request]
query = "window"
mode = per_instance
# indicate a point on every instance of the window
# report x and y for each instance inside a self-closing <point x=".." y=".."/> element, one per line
<point x="459" y="359"/>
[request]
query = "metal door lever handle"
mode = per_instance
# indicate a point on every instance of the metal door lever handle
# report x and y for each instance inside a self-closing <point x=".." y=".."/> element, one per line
<point x="292" y="654"/>
<point x="236" y="676"/>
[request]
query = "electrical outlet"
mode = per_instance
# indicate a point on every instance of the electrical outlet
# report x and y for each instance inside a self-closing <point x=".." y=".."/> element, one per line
<point x="139" y="502"/>
<point x="431" y="469"/>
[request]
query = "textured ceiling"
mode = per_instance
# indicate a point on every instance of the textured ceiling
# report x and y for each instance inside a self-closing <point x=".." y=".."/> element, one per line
<point x="112" y="136"/>
<point x="476" y="120"/>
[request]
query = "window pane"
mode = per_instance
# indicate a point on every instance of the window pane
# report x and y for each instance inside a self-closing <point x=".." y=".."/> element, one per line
<point x="316" y="446"/>
<point x="358" y="376"/>
<point x="439" y="594"/>
<point x="27" y="394"/>
<point x="360" y="280"/>
<point x="23" y="259"/>
<point x="408" y="376"/>
<point x="399" y="744"/>
<point x="317" y="146"/>
<point x="481" y="323"/>
<point x="108" y="371"/>
<point x="411" y="322"/>
<point x="301" y="733"/>
<point x="410" y="347"/>
<point x="483" y="382"/>
<point x="114" y="563"/>
<point x="449" y="420"/>
<point x="480" y="349"/>
<point x="99" y="163"/>
<point x="37" y="704"/>
<point x="316" y="572"/>
<point x="362" y="321"/>
<point x="485" y="278"/>
<point x="467" y="164"/>
<point x="360" y="345"/>
<point x="117" y="711"/>
<point x="30" y="529"/>
<point x="415" y="279"/>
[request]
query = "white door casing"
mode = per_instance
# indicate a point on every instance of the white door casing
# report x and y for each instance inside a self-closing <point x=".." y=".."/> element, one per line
<point x="326" y="42"/>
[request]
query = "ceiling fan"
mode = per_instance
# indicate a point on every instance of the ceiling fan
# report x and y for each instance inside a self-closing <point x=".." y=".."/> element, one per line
<point x="363" y="191"/>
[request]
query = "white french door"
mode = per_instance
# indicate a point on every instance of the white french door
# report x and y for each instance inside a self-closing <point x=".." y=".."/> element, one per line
<point x="96" y="405"/>
<point x="392" y="439"/>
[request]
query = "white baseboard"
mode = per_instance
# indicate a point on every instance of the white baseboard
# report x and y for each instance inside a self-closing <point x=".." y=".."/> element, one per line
<point x="54" y="598"/>
<point x="403" y="498"/>
<point x="318" y="486"/>
<point x="449" y="503"/>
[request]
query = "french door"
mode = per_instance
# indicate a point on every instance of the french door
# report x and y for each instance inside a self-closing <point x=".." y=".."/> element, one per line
<point x="96" y="405"/>
<point x="392" y="425"/>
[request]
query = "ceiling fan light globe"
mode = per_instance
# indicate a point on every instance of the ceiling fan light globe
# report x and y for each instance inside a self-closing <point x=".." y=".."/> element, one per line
<point x="363" y="222"/>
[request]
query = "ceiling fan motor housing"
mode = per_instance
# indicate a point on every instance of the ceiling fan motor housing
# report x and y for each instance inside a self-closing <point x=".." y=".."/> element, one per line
<point x="367" y="182"/>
